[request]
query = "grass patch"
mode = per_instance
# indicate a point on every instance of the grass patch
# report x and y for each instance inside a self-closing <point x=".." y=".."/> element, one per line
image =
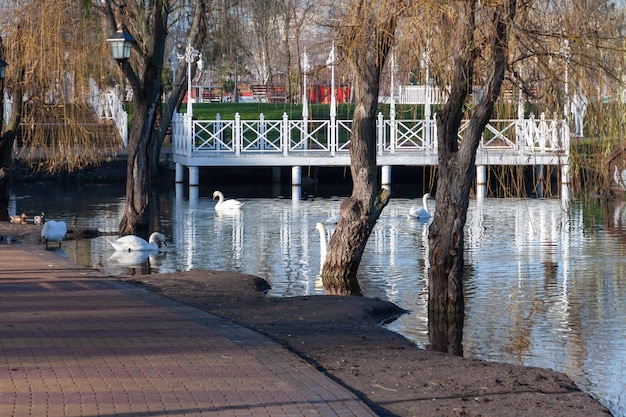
<point x="274" y="111"/>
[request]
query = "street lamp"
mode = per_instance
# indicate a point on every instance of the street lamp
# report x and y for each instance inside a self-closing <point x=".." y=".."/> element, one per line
<point x="121" y="43"/>
<point x="190" y="56"/>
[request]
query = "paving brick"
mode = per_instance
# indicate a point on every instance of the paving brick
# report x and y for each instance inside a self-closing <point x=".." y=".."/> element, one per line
<point x="74" y="342"/>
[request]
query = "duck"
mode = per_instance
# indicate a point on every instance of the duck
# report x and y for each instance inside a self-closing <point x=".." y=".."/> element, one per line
<point x="225" y="204"/>
<point x="131" y="243"/>
<point x="39" y="220"/>
<point x="18" y="219"/>
<point x="53" y="231"/>
<point x="420" y="212"/>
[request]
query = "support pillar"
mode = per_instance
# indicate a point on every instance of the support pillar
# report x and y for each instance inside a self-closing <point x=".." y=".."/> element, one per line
<point x="565" y="186"/>
<point x="194" y="182"/>
<point x="180" y="175"/>
<point x="194" y="176"/>
<point x="386" y="177"/>
<point x="481" y="182"/>
<point x="179" y="191"/>
<point x="296" y="176"/>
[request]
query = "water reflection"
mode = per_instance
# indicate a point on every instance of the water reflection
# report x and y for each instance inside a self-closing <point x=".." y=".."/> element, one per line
<point x="544" y="287"/>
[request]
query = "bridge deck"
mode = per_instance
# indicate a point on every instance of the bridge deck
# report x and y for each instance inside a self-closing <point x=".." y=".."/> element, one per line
<point x="285" y="142"/>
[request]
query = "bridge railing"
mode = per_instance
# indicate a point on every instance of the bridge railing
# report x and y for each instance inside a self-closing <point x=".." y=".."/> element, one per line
<point x="331" y="137"/>
<point x="108" y="106"/>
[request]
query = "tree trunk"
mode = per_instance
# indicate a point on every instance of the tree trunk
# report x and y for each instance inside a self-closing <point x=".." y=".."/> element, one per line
<point x="146" y="136"/>
<point x="138" y="185"/>
<point x="457" y="162"/>
<point x="359" y="213"/>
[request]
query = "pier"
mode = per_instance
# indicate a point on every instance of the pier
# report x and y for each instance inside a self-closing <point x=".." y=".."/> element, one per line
<point x="299" y="143"/>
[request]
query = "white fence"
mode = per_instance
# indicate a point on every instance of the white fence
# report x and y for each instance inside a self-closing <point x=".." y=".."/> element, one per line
<point x="510" y="141"/>
<point x="108" y="106"/>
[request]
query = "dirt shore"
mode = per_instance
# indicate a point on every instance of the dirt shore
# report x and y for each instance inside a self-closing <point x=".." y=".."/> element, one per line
<point x="343" y="338"/>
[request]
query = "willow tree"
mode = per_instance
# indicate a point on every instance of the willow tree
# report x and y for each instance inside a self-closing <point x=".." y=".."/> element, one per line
<point x="365" y="39"/>
<point x="540" y="48"/>
<point x="147" y="23"/>
<point x="52" y="50"/>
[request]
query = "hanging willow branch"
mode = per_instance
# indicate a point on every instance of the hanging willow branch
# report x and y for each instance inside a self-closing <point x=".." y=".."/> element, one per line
<point x="60" y="48"/>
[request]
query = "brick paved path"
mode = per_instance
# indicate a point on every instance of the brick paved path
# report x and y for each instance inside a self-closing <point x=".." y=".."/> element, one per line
<point x="76" y="343"/>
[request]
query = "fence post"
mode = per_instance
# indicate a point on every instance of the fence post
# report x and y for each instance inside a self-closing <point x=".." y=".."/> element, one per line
<point x="262" y="128"/>
<point x="381" y="134"/>
<point x="237" y="134"/>
<point x="285" y="137"/>
<point x="332" y="133"/>
<point x="218" y="134"/>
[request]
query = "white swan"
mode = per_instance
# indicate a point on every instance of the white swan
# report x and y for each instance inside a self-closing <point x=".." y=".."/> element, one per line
<point x="225" y="204"/>
<point x="420" y="212"/>
<point x="135" y="243"/>
<point x="334" y="219"/>
<point x="323" y="245"/>
<point x="53" y="231"/>
<point x="133" y="258"/>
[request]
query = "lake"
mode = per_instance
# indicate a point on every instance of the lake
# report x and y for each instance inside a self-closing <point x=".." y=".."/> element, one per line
<point x="545" y="287"/>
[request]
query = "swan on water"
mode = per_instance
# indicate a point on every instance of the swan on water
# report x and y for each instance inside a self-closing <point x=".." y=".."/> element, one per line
<point x="323" y="241"/>
<point x="53" y="231"/>
<point x="420" y="212"/>
<point x="334" y="219"/>
<point x="225" y="204"/>
<point x="134" y="258"/>
<point x="135" y="243"/>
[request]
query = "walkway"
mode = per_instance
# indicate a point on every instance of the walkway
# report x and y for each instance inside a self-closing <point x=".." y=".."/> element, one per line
<point x="74" y="342"/>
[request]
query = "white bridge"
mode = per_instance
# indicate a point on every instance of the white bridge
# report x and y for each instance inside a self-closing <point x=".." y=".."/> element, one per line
<point x="297" y="143"/>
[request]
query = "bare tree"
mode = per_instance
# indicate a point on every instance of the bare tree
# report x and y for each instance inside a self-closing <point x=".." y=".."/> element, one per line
<point x="147" y="22"/>
<point x="366" y="38"/>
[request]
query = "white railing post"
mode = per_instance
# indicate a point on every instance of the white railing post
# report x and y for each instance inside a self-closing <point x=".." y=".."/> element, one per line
<point x="285" y="137"/>
<point x="237" y="141"/>
<point x="332" y="133"/>
<point x="218" y="134"/>
<point x="381" y="134"/>
<point x="262" y="129"/>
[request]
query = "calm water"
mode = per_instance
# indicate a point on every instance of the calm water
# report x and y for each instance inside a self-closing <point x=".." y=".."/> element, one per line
<point x="546" y="288"/>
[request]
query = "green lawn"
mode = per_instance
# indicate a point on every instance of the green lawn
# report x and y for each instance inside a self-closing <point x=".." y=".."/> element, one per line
<point x="274" y="111"/>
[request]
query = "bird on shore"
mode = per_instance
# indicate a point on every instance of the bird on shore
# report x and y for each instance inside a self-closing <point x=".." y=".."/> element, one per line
<point x="225" y="204"/>
<point x="132" y="243"/>
<point x="18" y="218"/>
<point x="53" y="231"/>
<point x="420" y="212"/>
<point x="39" y="220"/>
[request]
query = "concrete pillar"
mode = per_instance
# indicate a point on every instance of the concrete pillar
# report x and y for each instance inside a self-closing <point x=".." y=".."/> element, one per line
<point x="565" y="186"/>
<point x="296" y="176"/>
<point x="296" y="195"/>
<point x="194" y="193"/>
<point x="386" y="177"/>
<point x="481" y="182"/>
<point x="180" y="175"/>
<point x="194" y="176"/>
<point x="180" y="193"/>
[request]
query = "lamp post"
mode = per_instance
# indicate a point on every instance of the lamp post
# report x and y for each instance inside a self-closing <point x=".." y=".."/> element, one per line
<point x="190" y="56"/>
<point x="121" y="44"/>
